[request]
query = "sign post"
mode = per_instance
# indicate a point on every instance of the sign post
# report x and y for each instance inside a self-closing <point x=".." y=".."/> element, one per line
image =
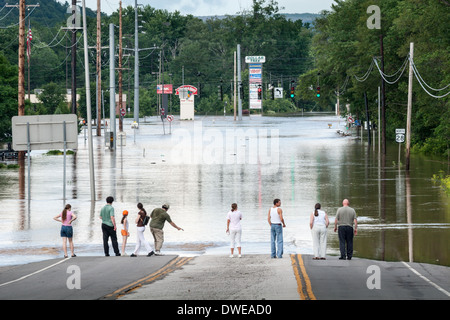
<point x="400" y="138"/>
<point x="255" y="80"/>
<point x="187" y="95"/>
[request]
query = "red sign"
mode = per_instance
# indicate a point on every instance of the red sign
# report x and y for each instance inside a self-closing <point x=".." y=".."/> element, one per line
<point x="168" y="89"/>
<point x="186" y="88"/>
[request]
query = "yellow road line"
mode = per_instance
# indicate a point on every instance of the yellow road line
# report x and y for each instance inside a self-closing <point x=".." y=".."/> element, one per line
<point x="171" y="266"/>
<point x="301" y="276"/>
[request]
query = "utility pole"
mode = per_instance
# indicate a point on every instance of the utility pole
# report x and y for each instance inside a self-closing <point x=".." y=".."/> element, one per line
<point x="21" y="62"/>
<point x="74" y="57"/>
<point x="99" y="69"/>
<point x="383" y="102"/>
<point x="120" y="66"/>
<point x="408" y="116"/>
<point x="136" y="64"/>
<point x="88" y="106"/>
<point x="21" y="98"/>
<point x="234" y="92"/>
<point x="239" y="81"/>
<point x="112" y="86"/>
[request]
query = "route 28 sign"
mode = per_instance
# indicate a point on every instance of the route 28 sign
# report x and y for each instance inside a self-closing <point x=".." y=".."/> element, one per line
<point x="400" y="135"/>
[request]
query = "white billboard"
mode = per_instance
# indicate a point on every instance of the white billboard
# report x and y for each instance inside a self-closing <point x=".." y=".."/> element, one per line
<point x="45" y="132"/>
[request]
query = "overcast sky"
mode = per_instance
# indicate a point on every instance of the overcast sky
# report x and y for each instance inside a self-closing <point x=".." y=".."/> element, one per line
<point x="212" y="7"/>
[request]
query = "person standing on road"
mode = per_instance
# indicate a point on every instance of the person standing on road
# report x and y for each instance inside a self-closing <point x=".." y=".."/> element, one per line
<point x="276" y="222"/>
<point x="234" y="228"/>
<point x="140" y="233"/>
<point x="159" y="216"/>
<point x="66" y="217"/>
<point x="318" y="223"/>
<point x="345" y="218"/>
<point x="124" y="230"/>
<point x="109" y="227"/>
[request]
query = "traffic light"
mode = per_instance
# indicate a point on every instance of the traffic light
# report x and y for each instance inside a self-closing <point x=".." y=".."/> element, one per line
<point x="292" y="89"/>
<point x="259" y="92"/>
<point x="220" y="93"/>
<point x="318" y="92"/>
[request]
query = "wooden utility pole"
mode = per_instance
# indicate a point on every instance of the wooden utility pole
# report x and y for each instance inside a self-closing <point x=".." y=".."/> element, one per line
<point x="408" y="116"/>
<point x="383" y="102"/>
<point x="21" y="98"/>
<point x="99" y="70"/>
<point x="74" y="58"/>
<point x="120" y="67"/>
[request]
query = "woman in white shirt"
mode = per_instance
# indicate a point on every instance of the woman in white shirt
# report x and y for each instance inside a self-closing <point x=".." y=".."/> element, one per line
<point x="234" y="228"/>
<point x="319" y="223"/>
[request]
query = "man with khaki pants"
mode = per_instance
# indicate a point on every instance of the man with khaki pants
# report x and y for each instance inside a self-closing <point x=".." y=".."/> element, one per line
<point x="159" y="217"/>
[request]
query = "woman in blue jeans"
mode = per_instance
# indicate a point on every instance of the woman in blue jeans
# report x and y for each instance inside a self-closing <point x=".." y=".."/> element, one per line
<point x="276" y="222"/>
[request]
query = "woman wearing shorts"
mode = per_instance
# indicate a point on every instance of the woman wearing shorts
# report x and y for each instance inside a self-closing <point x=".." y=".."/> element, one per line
<point x="66" y="217"/>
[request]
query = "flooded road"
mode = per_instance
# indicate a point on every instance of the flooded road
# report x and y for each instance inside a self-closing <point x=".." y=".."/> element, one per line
<point x="205" y="165"/>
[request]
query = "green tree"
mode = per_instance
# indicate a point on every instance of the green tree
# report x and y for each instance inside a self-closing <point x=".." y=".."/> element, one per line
<point x="8" y="96"/>
<point x="52" y="97"/>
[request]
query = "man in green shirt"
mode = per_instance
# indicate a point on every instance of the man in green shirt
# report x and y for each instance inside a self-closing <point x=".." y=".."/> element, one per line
<point x="159" y="217"/>
<point x="345" y="218"/>
<point x="109" y="227"/>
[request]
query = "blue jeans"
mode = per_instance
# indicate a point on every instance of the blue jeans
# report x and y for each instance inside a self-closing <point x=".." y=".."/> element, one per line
<point x="276" y="240"/>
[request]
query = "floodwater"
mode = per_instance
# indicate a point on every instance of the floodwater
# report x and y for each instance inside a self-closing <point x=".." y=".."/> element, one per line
<point x="200" y="167"/>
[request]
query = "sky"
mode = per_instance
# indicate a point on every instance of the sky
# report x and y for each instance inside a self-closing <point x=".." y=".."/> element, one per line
<point x="212" y="7"/>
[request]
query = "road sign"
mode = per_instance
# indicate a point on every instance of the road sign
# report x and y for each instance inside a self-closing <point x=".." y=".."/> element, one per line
<point x="45" y="132"/>
<point x="278" y="93"/>
<point x="122" y="112"/>
<point x="255" y="59"/>
<point x="170" y="118"/>
<point x="400" y="137"/>
<point x="400" y="131"/>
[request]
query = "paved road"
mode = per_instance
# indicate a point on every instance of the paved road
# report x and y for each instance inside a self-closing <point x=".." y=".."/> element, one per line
<point x="86" y="278"/>
<point x="257" y="277"/>
<point x="215" y="277"/>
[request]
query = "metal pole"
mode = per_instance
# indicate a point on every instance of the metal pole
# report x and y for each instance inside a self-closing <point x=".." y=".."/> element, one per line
<point x="112" y="85"/>
<point x="29" y="160"/>
<point x="88" y="104"/>
<point x="136" y="64"/>
<point x="379" y="124"/>
<point x="408" y="117"/>
<point x="99" y="67"/>
<point x="65" y="148"/>
<point x="239" y="81"/>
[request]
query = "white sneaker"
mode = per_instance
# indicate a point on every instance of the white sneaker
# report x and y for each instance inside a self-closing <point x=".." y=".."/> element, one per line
<point x="239" y="256"/>
<point x="158" y="253"/>
<point x="231" y="256"/>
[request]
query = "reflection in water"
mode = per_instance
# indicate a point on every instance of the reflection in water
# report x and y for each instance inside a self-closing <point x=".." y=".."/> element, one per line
<point x="206" y="165"/>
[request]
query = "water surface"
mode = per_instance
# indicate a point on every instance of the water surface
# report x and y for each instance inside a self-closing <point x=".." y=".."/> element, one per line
<point x="205" y="165"/>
